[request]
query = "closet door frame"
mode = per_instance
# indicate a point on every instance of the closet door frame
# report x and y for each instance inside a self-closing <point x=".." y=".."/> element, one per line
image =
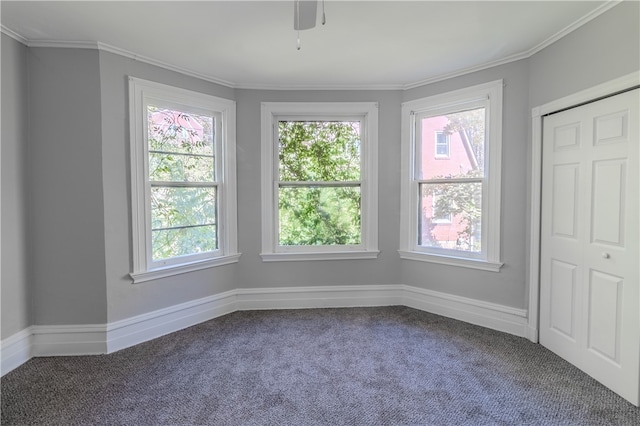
<point x="609" y="88"/>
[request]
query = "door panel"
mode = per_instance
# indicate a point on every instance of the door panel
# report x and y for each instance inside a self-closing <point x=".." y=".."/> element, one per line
<point x="565" y="200"/>
<point x="608" y="206"/>
<point x="590" y="233"/>
<point x="605" y="294"/>
<point x="563" y="298"/>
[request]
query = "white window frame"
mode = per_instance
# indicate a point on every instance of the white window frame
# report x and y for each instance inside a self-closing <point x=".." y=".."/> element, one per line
<point x="435" y="144"/>
<point x="141" y="93"/>
<point x="488" y="95"/>
<point x="367" y="113"/>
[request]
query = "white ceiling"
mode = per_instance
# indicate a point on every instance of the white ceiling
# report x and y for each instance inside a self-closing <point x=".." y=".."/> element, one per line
<point x="252" y="44"/>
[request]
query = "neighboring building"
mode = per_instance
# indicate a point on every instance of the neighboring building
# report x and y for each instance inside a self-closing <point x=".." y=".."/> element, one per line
<point x="443" y="154"/>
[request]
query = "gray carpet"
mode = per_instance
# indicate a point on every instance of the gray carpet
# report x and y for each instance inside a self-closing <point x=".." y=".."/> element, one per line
<point x="355" y="366"/>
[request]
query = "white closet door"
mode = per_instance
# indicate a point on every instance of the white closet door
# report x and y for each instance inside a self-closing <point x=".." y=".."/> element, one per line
<point x="590" y="233"/>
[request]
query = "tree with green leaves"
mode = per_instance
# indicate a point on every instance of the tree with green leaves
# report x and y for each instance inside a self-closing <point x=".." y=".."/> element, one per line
<point x="182" y="178"/>
<point x="319" y="188"/>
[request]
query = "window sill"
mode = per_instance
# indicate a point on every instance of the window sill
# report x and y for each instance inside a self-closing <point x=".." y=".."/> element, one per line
<point x="451" y="261"/>
<point x="297" y="257"/>
<point x="154" y="274"/>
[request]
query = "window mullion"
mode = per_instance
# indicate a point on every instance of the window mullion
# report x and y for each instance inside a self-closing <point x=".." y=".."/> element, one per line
<point x="451" y="180"/>
<point x="326" y="184"/>
<point x="174" y="184"/>
<point x="186" y="154"/>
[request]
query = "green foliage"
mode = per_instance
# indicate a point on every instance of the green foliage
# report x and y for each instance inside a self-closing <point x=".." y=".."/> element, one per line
<point x="320" y="152"/>
<point x="463" y="201"/>
<point x="183" y="218"/>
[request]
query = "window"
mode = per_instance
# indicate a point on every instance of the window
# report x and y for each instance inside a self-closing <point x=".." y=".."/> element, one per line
<point x="183" y="180"/>
<point x="451" y="154"/>
<point x="319" y="186"/>
<point x="442" y="144"/>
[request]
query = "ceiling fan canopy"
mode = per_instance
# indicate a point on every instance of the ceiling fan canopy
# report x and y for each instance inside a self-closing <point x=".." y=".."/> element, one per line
<point x="304" y="14"/>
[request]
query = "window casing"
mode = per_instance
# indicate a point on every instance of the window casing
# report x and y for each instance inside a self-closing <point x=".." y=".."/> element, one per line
<point x="183" y="180"/>
<point x="450" y="210"/>
<point x="315" y="205"/>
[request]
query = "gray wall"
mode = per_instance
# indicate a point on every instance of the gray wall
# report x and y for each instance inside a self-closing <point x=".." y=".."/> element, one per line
<point x="75" y="218"/>
<point x="252" y="271"/>
<point x="65" y="187"/>
<point x="15" y="292"/>
<point x="124" y="298"/>
<point x="604" y="49"/>
<point x="508" y="287"/>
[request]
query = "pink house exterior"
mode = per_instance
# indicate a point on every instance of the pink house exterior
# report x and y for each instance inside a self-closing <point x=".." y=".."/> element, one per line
<point x="441" y="155"/>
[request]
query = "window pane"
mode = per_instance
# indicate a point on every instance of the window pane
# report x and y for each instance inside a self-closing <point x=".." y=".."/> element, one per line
<point x="183" y="221"/>
<point x="319" y="216"/>
<point x="319" y="150"/>
<point x="442" y="144"/>
<point x="451" y="145"/>
<point x="461" y="204"/>
<point x="180" y="207"/>
<point x="182" y="241"/>
<point x="178" y="131"/>
<point x="173" y="167"/>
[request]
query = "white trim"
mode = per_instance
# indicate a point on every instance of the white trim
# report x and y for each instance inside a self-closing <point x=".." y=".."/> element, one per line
<point x="154" y="274"/>
<point x="399" y="86"/>
<point x="94" y="339"/>
<point x="141" y="328"/>
<point x="604" y="89"/>
<point x="140" y="93"/>
<point x="92" y="45"/>
<point x="336" y="255"/>
<point x="488" y="95"/>
<point x="521" y="55"/>
<point x="490" y="315"/>
<point x="365" y="111"/>
<point x="15" y="350"/>
<point x="319" y="297"/>
<point x="451" y="261"/>
<point x="63" y="340"/>
<point x="14" y="35"/>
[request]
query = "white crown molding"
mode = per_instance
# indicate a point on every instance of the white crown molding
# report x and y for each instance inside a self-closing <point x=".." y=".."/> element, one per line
<point x="151" y="61"/>
<point x="321" y="87"/>
<point x="64" y="44"/>
<point x="522" y="55"/>
<point x="14" y="35"/>
<point x="400" y="86"/>
<point x="94" y="339"/>
<point x="574" y="26"/>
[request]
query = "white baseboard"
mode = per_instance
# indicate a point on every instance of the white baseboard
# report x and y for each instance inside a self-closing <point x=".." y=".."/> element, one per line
<point x="490" y="315"/>
<point x="318" y="297"/>
<point x="141" y="328"/>
<point x="68" y="340"/>
<point x="95" y="339"/>
<point x="15" y="350"/>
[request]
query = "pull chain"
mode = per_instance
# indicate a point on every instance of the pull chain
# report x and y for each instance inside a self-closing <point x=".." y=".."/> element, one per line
<point x="298" y="46"/>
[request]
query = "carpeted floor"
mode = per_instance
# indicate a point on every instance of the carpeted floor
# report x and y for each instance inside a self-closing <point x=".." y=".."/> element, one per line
<point x="354" y="366"/>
